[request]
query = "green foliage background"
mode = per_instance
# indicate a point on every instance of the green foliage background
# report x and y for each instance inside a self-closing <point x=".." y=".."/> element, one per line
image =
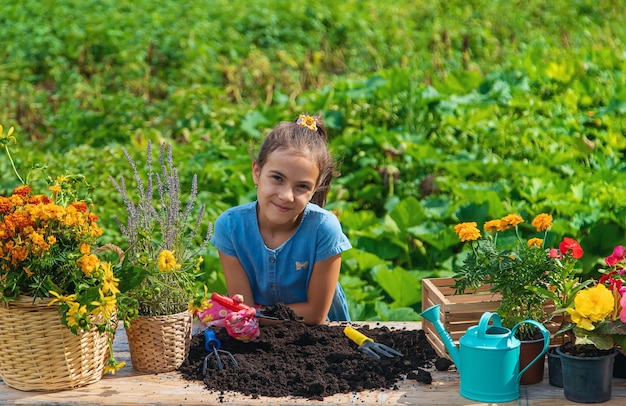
<point x="439" y="111"/>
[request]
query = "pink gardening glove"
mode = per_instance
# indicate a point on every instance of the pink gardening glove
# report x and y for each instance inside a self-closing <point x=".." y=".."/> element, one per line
<point x="243" y="325"/>
<point x="214" y="314"/>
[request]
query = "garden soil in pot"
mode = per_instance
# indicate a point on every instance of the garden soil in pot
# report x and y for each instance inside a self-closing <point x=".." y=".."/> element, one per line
<point x="293" y="359"/>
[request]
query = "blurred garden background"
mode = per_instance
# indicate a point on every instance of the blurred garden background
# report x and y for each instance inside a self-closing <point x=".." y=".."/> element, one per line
<point x="438" y="111"/>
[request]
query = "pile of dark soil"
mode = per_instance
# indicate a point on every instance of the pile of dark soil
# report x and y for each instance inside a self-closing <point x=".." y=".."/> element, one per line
<point x="293" y="359"/>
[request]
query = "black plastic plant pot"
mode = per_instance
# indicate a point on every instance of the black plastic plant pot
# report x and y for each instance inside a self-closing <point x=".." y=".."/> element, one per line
<point x="587" y="379"/>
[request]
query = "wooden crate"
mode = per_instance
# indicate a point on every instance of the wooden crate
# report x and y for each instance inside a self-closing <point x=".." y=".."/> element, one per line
<point x="462" y="311"/>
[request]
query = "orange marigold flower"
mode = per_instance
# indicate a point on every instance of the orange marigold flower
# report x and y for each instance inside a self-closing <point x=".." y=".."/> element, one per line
<point x="4" y="233"/>
<point x="510" y="220"/>
<point x="80" y="206"/>
<point x="22" y="190"/>
<point x="88" y="263"/>
<point x="467" y="231"/>
<point x="542" y="222"/>
<point x="535" y="242"/>
<point x="17" y="200"/>
<point x="85" y="248"/>
<point x="95" y="231"/>
<point x="39" y="199"/>
<point x="5" y="205"/>
<point x="39" y="244"/>
<point x="18" y="254"/>
<point x="492" y="226"/>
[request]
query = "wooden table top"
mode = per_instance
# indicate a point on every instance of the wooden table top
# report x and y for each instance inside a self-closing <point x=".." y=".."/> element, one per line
<point x="130" y="387"/>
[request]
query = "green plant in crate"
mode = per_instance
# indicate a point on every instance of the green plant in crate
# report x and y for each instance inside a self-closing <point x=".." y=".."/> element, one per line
<point x="513" y="266"/>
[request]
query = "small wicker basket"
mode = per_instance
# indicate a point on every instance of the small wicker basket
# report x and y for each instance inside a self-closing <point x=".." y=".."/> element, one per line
<point x="38" y="353"/>
<point x="159" y="343"/>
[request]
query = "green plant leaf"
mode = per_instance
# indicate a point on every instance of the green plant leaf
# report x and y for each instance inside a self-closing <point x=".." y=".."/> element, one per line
<point x="404" y="288"/>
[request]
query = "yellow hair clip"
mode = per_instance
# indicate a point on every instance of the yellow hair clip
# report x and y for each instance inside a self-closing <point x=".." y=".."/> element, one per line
<point x="307" y="121"/>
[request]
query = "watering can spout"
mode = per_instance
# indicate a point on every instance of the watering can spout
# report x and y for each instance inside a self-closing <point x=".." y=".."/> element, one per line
<point x="432" y="314"/>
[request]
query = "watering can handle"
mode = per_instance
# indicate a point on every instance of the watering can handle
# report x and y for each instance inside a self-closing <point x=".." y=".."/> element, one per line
<point x="546" y="341"/>
<point x="483" y="324"/>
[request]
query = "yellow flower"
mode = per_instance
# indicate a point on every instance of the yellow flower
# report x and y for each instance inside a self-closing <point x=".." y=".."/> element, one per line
<point x="467" y="231"/>
<point x="167" y="261"/>
<point x="113" y="367"/>
<point x="592" y="305"/>
<point x="75" y="314"/>
<point x="62" y="299"/>
<point x="85" y="248"/>
<point x="535" y="242"/>
<point x="580" y="320"/>
<point x="109" y="281"/>
<point x="307" y="121"/>
<point x="198" y="263"/>
<point x="106" y="306"/>
<point x="542" y="222"/>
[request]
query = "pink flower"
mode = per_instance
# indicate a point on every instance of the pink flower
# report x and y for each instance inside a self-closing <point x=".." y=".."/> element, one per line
<point x="618" y="255"/>
<point x="554" y="253"/>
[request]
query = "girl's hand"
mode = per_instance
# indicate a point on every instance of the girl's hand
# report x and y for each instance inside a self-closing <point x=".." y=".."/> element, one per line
<point x="242" y="325"/>
<point x="213" y="313"/>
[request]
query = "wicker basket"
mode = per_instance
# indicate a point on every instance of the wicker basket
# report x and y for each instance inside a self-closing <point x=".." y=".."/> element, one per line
<point x="38" y="353"/>
<point x="159" y="343"/>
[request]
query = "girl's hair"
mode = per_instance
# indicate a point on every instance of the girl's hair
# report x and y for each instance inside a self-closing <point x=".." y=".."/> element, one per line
<point x="309" y="140"/>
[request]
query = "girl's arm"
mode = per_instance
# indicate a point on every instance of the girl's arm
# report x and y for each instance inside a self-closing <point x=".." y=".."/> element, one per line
<point x="237" y="281"/>
<point x="322" y="287"/>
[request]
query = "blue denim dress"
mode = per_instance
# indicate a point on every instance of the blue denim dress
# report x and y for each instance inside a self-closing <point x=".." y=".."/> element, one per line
<point x="282" y="275"/>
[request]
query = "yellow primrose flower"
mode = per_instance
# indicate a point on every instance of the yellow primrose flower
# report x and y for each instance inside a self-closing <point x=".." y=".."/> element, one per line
<point x="580" y="320"/>
<point x="594" y="304"/>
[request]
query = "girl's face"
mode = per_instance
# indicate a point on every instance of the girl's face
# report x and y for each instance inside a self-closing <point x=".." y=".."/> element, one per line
<point x="285" y="183"/>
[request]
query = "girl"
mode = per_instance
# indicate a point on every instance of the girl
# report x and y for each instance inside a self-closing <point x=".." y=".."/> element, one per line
<point x="285" y="247"/>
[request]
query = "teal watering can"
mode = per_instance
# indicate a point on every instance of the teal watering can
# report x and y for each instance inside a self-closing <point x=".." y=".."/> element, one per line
<point x="488" y="356"/>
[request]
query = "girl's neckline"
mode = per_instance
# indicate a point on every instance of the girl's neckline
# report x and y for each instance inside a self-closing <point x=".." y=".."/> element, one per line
<point x="280" y="242"/>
